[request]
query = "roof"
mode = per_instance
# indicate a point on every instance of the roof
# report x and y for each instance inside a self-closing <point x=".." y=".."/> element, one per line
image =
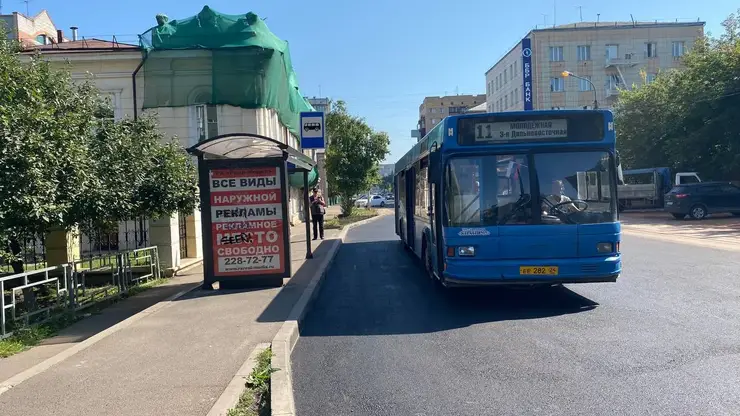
<point x="85" y="45"/>
<point x="480" y="107"/>
<point x="620" y="25"/>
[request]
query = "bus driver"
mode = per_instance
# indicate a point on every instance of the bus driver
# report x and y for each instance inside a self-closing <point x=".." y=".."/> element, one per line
<point x="557" y="197"/>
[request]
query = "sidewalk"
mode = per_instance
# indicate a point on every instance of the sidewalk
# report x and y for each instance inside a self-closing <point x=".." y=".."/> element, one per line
<point x="720" y="231"/>
<point x="174" y="361"/>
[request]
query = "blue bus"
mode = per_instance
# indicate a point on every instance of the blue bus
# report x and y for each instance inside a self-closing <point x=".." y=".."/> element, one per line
<point x="513" y="198"/>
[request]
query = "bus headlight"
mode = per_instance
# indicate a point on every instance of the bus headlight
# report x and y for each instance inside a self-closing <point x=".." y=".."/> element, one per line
<point x="605" y="247"/>
<point x="466" y="251"/>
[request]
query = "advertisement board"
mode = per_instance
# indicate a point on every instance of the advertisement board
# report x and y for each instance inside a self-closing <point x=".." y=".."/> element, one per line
<point x="247" y="221"/>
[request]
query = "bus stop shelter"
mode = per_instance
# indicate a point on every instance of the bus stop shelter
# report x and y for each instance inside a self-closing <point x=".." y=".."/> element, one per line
<point x="243" y="180"/>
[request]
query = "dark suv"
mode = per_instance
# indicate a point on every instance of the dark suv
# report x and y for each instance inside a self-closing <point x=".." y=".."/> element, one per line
<point x="697" y="200"/>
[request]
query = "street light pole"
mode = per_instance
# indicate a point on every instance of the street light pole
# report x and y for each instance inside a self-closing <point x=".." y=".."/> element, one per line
<point x="567" y="74"/>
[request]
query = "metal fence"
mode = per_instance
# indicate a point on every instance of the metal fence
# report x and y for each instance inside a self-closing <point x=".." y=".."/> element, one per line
<point x="30" y="252"/>
<point x="36" y="296"/>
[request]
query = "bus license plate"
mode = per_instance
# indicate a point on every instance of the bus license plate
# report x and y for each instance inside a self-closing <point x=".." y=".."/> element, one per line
<point x="538" y="270"/>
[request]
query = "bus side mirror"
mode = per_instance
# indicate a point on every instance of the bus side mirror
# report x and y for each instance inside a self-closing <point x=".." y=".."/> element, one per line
<point x="434" y="166"/>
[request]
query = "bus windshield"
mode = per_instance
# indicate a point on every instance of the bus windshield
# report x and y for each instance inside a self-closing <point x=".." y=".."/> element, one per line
<point x="522" y="189"/>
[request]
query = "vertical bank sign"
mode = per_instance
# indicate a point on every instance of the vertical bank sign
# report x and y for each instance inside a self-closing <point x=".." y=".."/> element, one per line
<point x="527" y="74"/>
<point x="247" y="221"/>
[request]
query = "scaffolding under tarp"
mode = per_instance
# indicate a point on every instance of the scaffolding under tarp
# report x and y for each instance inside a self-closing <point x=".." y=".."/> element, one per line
<point x="219" y="59"/>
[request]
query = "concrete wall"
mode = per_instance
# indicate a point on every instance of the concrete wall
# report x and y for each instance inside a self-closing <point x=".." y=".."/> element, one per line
<point x="504" y="83"/>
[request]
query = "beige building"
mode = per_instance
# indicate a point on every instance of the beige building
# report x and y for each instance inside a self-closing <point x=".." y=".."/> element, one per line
<point x="111" y="65"/>
<point x="434" y="109"/>
<point x="608" y="55"/>
<point x="32" y="31"/>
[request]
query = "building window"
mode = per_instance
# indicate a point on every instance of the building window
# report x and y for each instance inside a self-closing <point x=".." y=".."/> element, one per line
<point x="612" y="51"/>
<point x="206" y="119"/>
<point x="488" y="89"/>
<point x="649" y="78"/>
<point x="506" y="101"/>
<point x="506" y="76"/>
<point x="613" y="81"/>
<point x="511" y="98"/>
<point x="651" y="50"/>
<point x="556" y="53"/>
<point x="678" y="49"/>
<point x="516" y="95"/>
<point x="511" y="71"/>
<point x="584" y="53"/>
<point x="556" y="84"/>
<point x="42" y="39"/>
<point x="516" y="71"/>
<point x="584" y="84"/>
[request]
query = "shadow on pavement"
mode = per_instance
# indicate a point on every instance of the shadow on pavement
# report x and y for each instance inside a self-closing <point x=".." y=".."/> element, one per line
<point x="287" y="295"/>
<point x="376" y="288"/>
<point x="115" y="313"/>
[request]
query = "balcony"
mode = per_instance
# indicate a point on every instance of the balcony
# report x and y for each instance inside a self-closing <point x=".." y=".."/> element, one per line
<point x="630" y="59"/>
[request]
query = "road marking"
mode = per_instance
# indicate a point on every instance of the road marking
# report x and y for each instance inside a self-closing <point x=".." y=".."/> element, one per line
<point x="69" y="352"/>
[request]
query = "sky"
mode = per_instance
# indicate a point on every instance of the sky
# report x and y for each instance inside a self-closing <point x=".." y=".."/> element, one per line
<point x="383" y="56"/>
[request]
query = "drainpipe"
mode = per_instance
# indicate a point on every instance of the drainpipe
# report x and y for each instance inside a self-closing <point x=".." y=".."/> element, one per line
<point x="133" y="82"/>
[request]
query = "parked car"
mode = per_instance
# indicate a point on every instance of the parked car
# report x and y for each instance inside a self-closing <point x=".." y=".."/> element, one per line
<point x="375" y="201"/>
<point x="697" y="200"/>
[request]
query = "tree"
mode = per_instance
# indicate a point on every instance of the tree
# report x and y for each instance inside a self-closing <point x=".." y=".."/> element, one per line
<point x="138" y="174"/>
<point x="354" y="154"/>
<point x="685" y="119"/>
<point x="63" y="163"/>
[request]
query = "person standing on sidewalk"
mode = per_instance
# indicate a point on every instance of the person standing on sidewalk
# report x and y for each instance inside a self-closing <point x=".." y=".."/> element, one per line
<point x="318" y="209"/>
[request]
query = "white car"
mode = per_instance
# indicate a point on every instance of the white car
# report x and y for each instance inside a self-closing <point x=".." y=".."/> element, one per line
<point x="375" y="201"/>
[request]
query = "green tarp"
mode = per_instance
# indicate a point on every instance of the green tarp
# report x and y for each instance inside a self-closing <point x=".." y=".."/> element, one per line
<point x="296" y="179"/>
<point x="220" y="59"/>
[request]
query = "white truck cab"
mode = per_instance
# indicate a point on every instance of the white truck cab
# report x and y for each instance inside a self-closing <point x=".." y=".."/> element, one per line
<point x="686" y="177"/>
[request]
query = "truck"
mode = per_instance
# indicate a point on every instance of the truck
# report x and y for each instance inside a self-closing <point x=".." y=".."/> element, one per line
<point x="646" y="188"/>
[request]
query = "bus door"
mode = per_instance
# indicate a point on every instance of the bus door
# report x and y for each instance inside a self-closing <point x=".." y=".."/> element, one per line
<point x="410" y="205"/>
<point x="435" y="210"/>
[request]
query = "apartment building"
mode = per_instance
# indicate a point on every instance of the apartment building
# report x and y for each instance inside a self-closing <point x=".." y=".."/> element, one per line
<point x="602" y="58"/>
<point x="319" y="104"/>
<point x="386" y="169"/>
<point x="32" y="31"/>
<point x="433" y="109"/>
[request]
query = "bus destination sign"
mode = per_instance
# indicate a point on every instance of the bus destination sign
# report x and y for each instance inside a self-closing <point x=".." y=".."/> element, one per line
<point x="524" y="130"/>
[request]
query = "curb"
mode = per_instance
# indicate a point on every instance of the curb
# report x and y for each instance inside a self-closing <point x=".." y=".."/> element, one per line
<point x="282" y="401"/>
<point x="230" y="397"/>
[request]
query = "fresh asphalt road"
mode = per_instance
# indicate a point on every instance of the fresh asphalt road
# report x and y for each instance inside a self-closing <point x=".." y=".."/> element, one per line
<point x="382" y="340"/>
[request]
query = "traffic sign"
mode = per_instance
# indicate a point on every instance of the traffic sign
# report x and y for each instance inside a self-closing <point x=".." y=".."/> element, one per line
<point x="312" y="130"/>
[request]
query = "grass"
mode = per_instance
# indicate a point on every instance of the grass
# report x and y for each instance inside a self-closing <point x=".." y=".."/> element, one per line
<point x="24" y="338"/>
<point x="358" y="214"/>
<point x="255" y="399"/>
